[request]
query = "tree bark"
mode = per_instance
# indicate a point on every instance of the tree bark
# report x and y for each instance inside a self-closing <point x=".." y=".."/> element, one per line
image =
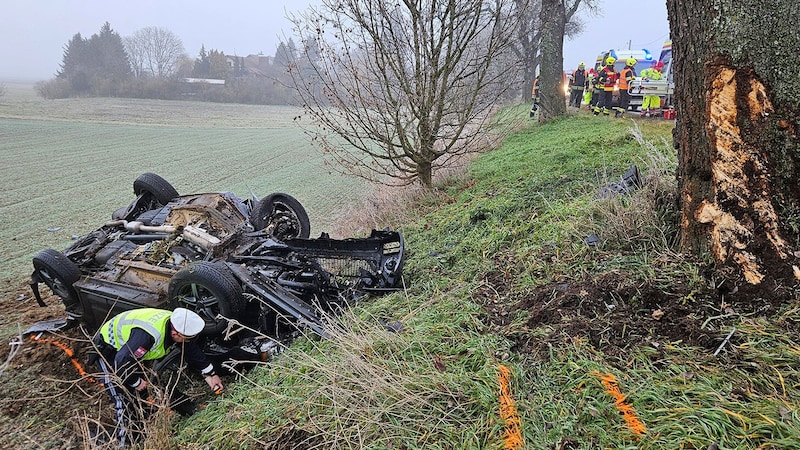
<point x="553" y="102"/>
<point x="738" y="103"/>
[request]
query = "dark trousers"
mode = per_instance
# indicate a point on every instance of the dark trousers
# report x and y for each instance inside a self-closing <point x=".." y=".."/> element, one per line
<point x="605" y="102"/>
<point x="129" y="406"/>
<point x="624" y="99"/>
<point x="575" y="97"/>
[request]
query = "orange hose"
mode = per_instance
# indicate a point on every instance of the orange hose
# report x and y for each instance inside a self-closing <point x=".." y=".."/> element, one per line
<point x="69" y="352"/>
<point x="508" y="412"/>
<point x="628" y="413"/>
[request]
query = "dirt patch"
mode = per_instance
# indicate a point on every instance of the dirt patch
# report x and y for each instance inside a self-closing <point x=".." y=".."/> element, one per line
<point x="45" y="395"/>
<point x="612" y="311"/>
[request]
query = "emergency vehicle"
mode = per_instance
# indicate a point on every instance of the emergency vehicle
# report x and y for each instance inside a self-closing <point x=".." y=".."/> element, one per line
<point x="664" y="88"/>
<point x="644" y="59"/>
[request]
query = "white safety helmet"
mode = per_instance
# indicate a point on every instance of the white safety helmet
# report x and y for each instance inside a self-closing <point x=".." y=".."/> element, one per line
<point x="187" y="323"/>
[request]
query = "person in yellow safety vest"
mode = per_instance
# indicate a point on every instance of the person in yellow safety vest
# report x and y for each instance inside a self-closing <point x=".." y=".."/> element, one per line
<point x="577" y="82"/>
<point x="596" y="89"/>
<point x="146" y="334"/>
<point x="607" y="76"/>
<point x="652" y="73"/>
<point x="627" y="75"/>
<point x="587" y="93"/>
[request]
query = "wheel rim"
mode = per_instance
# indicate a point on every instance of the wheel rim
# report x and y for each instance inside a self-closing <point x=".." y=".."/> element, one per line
<point x="55" y="284"/>
<point x="197" y="298"/>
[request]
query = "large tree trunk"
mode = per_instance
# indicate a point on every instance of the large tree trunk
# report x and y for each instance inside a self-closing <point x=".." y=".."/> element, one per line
<point x="553" y="19"/>
<point x="737" y="105"/>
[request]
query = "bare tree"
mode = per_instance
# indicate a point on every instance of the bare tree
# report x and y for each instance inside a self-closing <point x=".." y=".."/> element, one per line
<point x="557" y="18"/>
<point x="528" y="40"/>
<point x="154" y="52"/>
<point x="408" y="85"/>
<point x="738" y="154"/>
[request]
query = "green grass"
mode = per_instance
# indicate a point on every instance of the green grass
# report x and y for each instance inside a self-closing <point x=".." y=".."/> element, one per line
<point x="520" y="215"/>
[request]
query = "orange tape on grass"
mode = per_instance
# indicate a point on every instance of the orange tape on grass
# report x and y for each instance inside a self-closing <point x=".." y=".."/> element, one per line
<point x="628" y="413"/>
<point x="69" y="352"/>
<point x="508" y="412"/>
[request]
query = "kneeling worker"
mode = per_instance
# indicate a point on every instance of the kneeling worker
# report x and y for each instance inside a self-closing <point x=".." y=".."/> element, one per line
<point x="147" y="334"/>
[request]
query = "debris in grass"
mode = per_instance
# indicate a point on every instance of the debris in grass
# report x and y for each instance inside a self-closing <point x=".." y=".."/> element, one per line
<point x="725" y="341"/>
<point x="591" y="240"/>
<point x="53" y="229"/>
<point x="630" y="181"/>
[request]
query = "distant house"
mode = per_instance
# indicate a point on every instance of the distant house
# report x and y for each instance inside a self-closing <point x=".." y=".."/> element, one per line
<point x="203" y="80"/>
<point x="194" y="86"/>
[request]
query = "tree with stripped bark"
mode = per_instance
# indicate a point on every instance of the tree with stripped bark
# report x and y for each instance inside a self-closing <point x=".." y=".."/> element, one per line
<point x="738" y="104"/>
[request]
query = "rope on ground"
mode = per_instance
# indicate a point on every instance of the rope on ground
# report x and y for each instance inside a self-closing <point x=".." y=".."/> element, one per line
<point x="628" y="413"/>
<point x="68" y="351"/>
<point x="508" y="412"/>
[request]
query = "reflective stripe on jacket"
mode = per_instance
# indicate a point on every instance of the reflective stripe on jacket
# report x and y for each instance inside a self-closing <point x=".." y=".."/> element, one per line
<point x="607" y="77"/>
<point x="578" y="79"/>
<point x="116" y="331"/>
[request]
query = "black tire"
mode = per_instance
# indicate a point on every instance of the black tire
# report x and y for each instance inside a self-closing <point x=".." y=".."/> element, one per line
<point x="209" y="289"/>
<point x="156" y="186"/>
<point x="58" y="272"/>
<point x="284" y="214"/>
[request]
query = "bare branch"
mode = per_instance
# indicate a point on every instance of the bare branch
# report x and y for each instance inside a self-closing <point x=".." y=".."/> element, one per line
<point x="396" y="89"/>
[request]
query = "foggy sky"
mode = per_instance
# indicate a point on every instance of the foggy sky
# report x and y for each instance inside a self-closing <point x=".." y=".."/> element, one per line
<point x="34" y="32"/>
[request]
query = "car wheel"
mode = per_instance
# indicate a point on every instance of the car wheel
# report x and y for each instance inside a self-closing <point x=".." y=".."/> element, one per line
<point x="156" y="186"/>
<point x="209" y="289"/>
<point x="58" y="272"/>
<point x="283" y="215"/>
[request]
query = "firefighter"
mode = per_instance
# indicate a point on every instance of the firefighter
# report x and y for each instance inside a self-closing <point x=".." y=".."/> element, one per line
<point x="577" y="82"/>
<point x="607" y="77"/>
<point x="651" y="101"/>
<point x="627" y="75"/>
<point x="146" y="334"/>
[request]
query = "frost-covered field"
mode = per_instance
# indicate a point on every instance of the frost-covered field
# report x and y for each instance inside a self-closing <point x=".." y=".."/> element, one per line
<point x="65" y="165"/>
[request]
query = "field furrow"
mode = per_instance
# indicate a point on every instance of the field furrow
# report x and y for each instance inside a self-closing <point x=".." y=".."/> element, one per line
<point x="66" y="165"/>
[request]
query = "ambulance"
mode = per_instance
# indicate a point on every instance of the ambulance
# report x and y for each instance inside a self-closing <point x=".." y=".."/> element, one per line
<point x="644" y="59"/>
<point x="664" y="88"/>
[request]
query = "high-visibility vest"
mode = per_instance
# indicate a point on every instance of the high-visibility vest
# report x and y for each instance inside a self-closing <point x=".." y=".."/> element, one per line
<point x="626" y="76"/>
<point x="116" y="331"/>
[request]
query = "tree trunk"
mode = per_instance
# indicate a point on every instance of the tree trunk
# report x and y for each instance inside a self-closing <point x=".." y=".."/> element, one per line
<point x="738" y="106"/>
<point x="553" y="19"/>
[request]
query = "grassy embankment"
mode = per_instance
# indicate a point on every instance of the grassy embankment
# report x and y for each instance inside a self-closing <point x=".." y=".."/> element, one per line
<point x="480" y="250"/>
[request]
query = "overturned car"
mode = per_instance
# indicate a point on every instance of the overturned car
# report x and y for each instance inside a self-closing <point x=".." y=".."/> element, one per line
<point x="247" y="266"/>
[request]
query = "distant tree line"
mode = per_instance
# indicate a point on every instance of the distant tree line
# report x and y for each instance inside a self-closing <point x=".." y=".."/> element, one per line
<point x="152" y="63"/>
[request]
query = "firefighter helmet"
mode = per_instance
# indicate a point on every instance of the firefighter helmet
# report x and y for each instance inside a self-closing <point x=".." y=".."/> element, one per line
<point x="610" y="61"/>
<point x="631" y="62"/>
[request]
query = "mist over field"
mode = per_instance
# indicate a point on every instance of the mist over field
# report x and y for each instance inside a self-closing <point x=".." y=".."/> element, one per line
<point x="66" y="165"/>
